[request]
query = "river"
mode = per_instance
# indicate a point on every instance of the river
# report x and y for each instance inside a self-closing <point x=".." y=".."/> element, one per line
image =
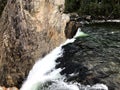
<point x="52" y="71"/>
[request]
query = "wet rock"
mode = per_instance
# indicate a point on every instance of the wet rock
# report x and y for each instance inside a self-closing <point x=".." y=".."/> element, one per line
<point x="71" y="28"/>
<point x="73" y="16"/>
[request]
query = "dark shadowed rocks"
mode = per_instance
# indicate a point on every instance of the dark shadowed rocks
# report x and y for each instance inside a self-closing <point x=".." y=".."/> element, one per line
<point x="71" y="28"/>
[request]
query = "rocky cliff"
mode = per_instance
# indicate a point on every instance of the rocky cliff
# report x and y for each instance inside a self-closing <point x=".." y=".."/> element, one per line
<point x="29" y="29"/>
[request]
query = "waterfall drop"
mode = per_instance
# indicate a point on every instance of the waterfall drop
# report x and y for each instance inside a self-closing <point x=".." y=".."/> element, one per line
<point x="44" y="76"/>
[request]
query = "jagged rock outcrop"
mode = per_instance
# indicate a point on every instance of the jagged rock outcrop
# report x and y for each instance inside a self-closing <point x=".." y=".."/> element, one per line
<point x="29" y="29"/>
<point x="71" y="28"/>
<point x="73" y="25"/>
<point x="93" y="59"/>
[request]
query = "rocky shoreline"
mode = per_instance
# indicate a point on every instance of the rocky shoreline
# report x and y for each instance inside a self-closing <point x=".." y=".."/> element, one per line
<point x="85" y="19"/>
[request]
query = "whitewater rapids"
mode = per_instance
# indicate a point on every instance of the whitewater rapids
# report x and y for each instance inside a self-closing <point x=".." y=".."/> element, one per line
<point x="44" y="76"/>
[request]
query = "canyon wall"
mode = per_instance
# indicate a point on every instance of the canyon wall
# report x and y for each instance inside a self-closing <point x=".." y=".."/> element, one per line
<point x="29" y="29"/>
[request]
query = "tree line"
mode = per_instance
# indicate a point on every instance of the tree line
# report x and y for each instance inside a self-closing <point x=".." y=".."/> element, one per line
<point x="95" y="8"/>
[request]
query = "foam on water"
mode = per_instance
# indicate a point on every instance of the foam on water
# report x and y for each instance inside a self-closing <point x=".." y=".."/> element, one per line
<point x="43" y="73"/>
<point x="44" y="69"/>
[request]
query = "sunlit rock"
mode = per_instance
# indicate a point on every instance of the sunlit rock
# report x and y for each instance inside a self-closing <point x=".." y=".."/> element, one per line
<point x="29" y="29"/>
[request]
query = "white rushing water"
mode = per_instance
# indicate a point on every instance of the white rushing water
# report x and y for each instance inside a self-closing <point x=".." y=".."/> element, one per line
<point x="44" y="76"/>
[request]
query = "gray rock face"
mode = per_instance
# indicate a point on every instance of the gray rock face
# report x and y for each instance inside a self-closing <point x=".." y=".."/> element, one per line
<point x="93" y="59"/>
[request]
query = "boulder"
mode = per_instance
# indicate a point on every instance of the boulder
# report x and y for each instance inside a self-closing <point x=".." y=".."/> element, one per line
<point x="71" y="28"/>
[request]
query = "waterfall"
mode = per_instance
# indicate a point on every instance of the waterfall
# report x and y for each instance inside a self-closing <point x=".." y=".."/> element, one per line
<point x="44" y="76"/>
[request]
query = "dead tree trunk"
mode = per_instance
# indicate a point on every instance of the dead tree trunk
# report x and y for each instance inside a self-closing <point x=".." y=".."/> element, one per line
<point x="29" y="29"/>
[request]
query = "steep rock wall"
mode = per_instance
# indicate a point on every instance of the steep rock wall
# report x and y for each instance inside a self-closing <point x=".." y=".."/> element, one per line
<point x="29" y="29"/>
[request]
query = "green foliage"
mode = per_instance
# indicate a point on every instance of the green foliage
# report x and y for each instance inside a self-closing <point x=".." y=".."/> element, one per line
<point x="107" y="8"/>
<point x="72" y="5"/>
<point x="2" y="5"/>
<point x="117" y="11"/>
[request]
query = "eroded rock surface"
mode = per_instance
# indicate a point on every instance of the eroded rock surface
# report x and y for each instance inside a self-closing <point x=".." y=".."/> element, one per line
<point x="10" y="88"/>
<point x="29" y="29"/>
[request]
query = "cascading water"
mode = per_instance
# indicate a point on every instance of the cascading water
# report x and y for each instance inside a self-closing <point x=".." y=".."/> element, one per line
<point x="44" y="76"/>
